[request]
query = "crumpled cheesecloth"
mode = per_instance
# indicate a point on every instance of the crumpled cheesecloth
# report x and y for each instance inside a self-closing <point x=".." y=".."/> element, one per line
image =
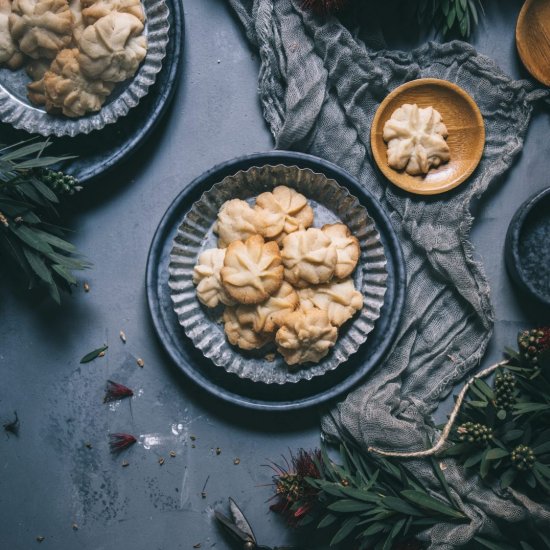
<point x="320" y="87"/>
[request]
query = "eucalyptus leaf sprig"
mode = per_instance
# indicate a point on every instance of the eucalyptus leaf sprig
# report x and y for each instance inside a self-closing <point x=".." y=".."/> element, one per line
<point x="29" y="193"/>
<point x="503" y="429"/>
<point x="448" y="17"/>
<point x="363" y="502"/>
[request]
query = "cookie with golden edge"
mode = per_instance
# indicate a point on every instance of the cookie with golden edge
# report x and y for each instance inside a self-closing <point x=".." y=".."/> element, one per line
<point x="41" y="28"/>
<point x="236" y="222"/>
<point x="305" y="337"/>
<point x="339" y="299"/>
<point x="267" y="316"/>
<point x="207" y="278"/>
<point x="347" y="247"/>
<point x="92" y="10"/>
<point x="283" y="211"/>
<point x="68" y="91"/>
<point x="252" y="270"/>
<point x="10" y="56"/>
<point x="243" y="335"/>
<point x="309" y="257"/>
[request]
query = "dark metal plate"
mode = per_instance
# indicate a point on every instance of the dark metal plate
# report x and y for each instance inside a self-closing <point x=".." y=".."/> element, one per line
<point x="257" y="395"/>
<point x="99" y="151"/>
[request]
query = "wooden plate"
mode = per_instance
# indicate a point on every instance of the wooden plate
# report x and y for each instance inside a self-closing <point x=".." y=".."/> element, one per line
<point x="533" y="38"/>
<point x="466" y="138"/>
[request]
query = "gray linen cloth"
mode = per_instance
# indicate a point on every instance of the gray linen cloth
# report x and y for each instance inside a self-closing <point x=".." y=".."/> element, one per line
<point x="319" y="88"/>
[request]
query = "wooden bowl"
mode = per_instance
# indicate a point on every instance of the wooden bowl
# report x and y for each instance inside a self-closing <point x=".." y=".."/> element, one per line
<point x="533" y="38"/>
<point x="466" y="138"/>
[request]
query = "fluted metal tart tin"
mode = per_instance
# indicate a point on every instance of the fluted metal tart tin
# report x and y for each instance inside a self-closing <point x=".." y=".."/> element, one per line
<point x="17" y="110"/>
<point x="331" y="203"/>
<point x="228" y="386"/>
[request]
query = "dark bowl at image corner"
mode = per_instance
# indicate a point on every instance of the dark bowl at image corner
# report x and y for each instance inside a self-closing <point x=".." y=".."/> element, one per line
<point x="528" y="228"/>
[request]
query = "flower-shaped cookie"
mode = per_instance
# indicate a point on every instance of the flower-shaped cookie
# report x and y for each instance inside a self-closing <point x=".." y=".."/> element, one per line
<point x="252" y="270"/>
<point x="10" y="56"/>
<point x="305" y="336"/>
<point x="267" y="316"/>
<point x="338" y="299"/>
<point x="113" y="47"/>
<point x="416" y="139"/>
<point x="309" y="257"/>
<point x="236" y="222"/>
<point x="41" y="27"/>
<point x="78" y="21"/>
<point x="92" y="10"/>
<point x="242" y="334"/>
<point x="69" y="91"/>
<point x="347" y="248"/>
<point x="206" y="276"/>
<point x="282" y="212"/>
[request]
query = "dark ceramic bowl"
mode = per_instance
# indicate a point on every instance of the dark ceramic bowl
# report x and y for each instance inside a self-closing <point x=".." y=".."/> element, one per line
<point x="527" y="248"/>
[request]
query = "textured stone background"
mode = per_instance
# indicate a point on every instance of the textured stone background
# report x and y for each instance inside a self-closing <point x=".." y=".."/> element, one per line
<point x="48" y="478"/>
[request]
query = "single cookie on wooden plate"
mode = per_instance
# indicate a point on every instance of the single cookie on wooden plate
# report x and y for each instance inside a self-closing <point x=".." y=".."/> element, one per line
<point x="305" y="337"/>
<point x="339" y="299"/>
<point x="252" y="270"/>
<point x="309" y="257"/>
<point x="243" y="335"/>
<point x="207" y="278"/>
<point x="347" y="248"/>
<point x="282" y="212"/>
<point x="268" y="316"/>
<point x="236" y="222"/>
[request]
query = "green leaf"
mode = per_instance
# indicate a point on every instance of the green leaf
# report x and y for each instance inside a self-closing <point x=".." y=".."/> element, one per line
<point x="29" y="237"/>
<point x="329" y="519"/>
<point x="473" y="460"/>
<point x="63" y="273"/>
<point x="495" y="454"/>
<point x="458" y="449"/>
<point x="543" y="469"/>
<point x="542" y="449"/>
<point x="484" y="466"/>
<point x="401" y="506"/>
<point x="93" y="354"/>
<point x="511" y="435"/>
<point x="478" y="404"/>
<point x="26" y="151"/>
<point x="526" y="546"/>
<point x="522" y="408"/>
<point x="451" y="17"/>
<point x="489" y="544"/>
<point x="508" y="478"/>
<point x="349" y="506"/>
<point x="484" y="388"/>
<point x="360" y="494"/>
<point x="473" y="11"/>
<point x="431" y="503"/>
<point x="347" y="527"/>
<point x="442" y="479"/>
<point x="38" y="265"/>
<point x="56" y="241"/>
<point x="45" y="191"/>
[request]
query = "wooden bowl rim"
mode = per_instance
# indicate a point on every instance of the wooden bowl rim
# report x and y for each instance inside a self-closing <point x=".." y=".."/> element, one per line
<point x="523" y="52"/>
<point x="393" y="175"/>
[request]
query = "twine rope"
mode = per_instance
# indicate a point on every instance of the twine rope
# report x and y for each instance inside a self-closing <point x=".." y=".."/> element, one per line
<point x="448" y="427"/>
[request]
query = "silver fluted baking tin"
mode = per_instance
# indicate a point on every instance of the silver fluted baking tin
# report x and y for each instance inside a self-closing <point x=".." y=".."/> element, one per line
<point x="17" y="110"/>
<point x="331" y="203"/>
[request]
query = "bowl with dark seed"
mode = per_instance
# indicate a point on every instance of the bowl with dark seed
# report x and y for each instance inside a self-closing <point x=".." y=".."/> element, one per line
<point x="527" y="249"/>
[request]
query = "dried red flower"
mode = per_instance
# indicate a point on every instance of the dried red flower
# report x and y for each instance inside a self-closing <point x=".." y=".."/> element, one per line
<point x="115" y="391"/>
<point x="120" y="441"/>
<point x="294" y="496"/>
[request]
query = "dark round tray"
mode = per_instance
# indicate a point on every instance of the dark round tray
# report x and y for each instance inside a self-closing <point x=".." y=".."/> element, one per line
<point x="257" y="395"/>
<point x="98" y="152"/>
<point x="512" y="254"/>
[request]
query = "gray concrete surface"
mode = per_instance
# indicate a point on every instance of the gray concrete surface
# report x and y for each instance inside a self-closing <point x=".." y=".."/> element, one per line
<point x="49" y="479"/>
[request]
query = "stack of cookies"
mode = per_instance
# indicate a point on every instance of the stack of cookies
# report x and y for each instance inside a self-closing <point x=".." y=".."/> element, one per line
<point x="280" y="279"/>
<point x="75" y="51"/>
